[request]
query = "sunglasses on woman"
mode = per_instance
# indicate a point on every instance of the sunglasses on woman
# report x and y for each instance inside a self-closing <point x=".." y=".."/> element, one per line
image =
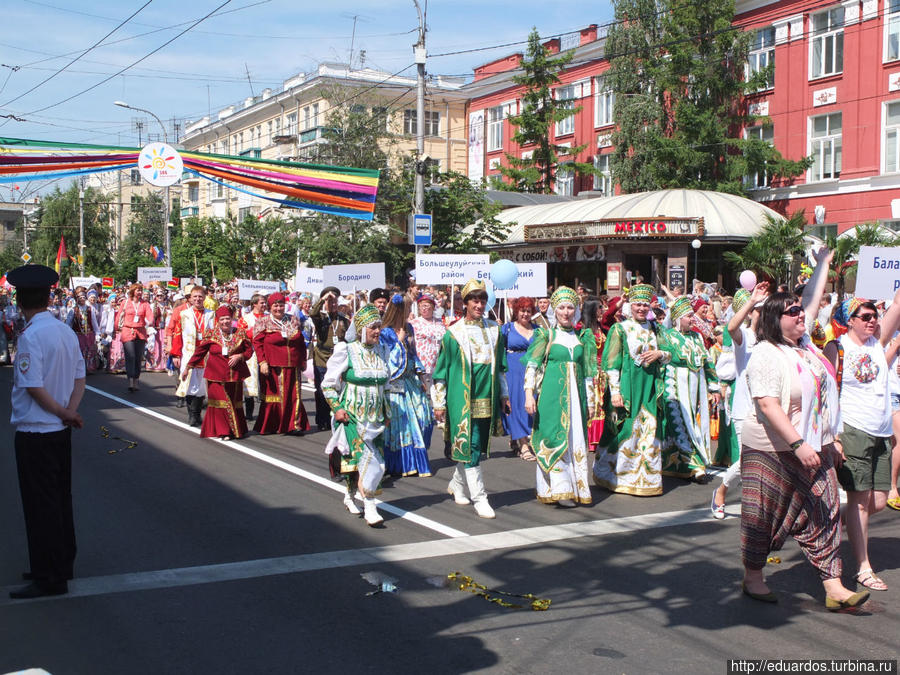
<point x="866" y="317"/>
<point x="793" y="311"/>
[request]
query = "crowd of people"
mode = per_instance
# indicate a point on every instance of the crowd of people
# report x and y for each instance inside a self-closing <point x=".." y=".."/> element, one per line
<point x="799" y="388"/>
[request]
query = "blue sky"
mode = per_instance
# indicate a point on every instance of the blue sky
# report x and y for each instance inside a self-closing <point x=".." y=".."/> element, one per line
<point x="206" y="68"/>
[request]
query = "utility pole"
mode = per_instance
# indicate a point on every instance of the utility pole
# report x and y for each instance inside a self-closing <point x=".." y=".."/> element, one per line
<point x="167" y="207"/>
<point x="81" y="226"/>
<point x="420" y="54"/>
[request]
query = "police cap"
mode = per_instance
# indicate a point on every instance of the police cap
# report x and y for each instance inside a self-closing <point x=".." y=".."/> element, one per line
<point x="32" y="276"/>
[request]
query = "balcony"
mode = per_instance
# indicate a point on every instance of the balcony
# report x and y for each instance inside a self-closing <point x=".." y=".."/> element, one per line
<point x="253" y="153"/>
<point x="188" y="211"/>
<point x="312" y="135"/>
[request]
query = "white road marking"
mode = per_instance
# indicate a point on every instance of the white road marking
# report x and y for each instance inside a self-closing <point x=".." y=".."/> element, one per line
<point x="254" y="569"/>
<point x="285" y="466"/>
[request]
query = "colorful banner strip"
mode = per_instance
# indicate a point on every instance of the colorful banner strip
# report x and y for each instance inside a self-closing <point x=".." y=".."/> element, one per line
<point x="342" y="191"/>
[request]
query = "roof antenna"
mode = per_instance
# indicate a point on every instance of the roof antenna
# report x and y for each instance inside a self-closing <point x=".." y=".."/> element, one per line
<point x="249" y="80"/>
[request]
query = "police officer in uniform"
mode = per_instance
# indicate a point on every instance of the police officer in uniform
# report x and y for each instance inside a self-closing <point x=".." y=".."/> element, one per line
<point x="48" y="384"/>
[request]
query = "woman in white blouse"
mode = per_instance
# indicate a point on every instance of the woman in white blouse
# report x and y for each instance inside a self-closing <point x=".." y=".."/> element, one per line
<point x="788" y="455"/>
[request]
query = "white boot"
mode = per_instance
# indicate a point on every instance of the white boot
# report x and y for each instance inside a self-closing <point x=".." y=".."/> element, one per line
<point x="373" y="518"/>
<point x="350" y="505"/>
<point x="457" y="489"/>
<point x="479" y="496"/>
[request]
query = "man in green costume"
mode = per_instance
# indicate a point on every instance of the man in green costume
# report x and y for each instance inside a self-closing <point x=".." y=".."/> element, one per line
<point x="469" y="390"/>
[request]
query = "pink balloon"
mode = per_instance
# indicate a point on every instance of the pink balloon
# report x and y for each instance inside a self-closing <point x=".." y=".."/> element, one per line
<point x="747" y="280"/>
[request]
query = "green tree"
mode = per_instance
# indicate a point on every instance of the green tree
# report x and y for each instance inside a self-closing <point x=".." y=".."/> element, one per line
<point x="541" y="110"/>
<point x="772" y="251"/>
<point x="58" y="216"/>
<point x="677" y="69"/>
<point x="463" y="218"/>
<point x="846" y="249"/>
<point x="145" y="229"/>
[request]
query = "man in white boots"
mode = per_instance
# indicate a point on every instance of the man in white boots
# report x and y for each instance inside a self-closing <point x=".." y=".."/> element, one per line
<point x="468" y="393"/>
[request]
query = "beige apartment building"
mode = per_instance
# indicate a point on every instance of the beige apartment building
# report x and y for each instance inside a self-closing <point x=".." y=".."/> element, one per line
<point x="289" y="125"/>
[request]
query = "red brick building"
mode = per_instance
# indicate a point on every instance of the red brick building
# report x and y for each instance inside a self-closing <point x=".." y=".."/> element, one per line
<point x="835" y="96"/>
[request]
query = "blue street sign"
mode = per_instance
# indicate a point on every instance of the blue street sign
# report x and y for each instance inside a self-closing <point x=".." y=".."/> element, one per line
<point x="422" y="229"/>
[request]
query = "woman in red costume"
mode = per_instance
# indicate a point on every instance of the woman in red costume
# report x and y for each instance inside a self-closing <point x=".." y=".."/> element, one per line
<point x="281" y="352"/>
<point x="225" y="352"/>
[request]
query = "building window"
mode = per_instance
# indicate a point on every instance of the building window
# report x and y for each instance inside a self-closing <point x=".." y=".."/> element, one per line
<point x="135" y="177"/>
<point x="291" y="124"/>
<point x="432" y="123"/>
<point x="827" y="44"/>
<point x="494" y="164"/>
<point x="603" y="181"/>
<point x="822" y="231"/>
<point x="892" y="30"/>
<point x="243" y="213"/>
<point x="825" y="147"/>
<point x="381" y="113"/>
<point x="495" y="128"/>
<point x="220" y="191"/>
<point x="762" y="55"/>
<point x="193" y="193"/>
<point x="759" y="179"/>
<point x="604" y="100"/>
<point x="566" y="98"/>
<point x="565" y="181"/>
<point x="891" y="137"/>
<point x="269" y="132"/>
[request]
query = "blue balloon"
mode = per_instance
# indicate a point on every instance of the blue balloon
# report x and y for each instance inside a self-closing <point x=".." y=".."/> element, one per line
<point x="492" y="297"/>
<point x="504" y="274"/>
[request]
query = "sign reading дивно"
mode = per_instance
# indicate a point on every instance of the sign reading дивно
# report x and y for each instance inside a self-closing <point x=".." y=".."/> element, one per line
<point x="878" y="272"/>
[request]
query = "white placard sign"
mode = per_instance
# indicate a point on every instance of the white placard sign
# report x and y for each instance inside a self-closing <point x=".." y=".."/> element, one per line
<point x="532" y="282"/>
<point x="196" y="281"/>
<point x="878" y="273"/>
<point x="349" y="277"/>
<point x="248" y="287"/>
<point x="84" y="281"/>
<point x="308" y="280"/>
<point x="450" y="269"/>
<point x="147" y="274"/>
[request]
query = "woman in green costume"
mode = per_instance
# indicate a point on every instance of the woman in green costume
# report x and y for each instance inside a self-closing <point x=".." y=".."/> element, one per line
<point x="353" y="385"/>
<point x="689" y="377"/>
<point x="567" y="360"/>
<point x="627" y="459"/>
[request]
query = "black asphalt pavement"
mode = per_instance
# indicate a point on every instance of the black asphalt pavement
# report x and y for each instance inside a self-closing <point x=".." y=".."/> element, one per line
<point x="195" y="557"/>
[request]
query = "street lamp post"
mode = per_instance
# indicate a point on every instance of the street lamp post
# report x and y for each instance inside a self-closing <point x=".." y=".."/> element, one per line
<point x="696" y="244"/>
<point x="167" y="205"/>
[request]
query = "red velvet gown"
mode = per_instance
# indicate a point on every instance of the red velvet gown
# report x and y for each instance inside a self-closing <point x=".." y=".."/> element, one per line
<point x="283" y="348"/>
<point x="224" y="386"/>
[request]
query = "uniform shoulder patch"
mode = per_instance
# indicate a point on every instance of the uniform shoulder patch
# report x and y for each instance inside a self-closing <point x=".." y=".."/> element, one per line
<point x="23" y="362"/>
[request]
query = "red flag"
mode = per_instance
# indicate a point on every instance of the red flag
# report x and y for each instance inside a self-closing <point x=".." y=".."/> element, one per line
<point x="62" y="259"/>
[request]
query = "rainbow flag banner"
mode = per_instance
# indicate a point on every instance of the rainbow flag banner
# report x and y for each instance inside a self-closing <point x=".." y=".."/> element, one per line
<point x="107" y="283"/>
<point x="340" y="191"/>
<point x="173" y="284"/>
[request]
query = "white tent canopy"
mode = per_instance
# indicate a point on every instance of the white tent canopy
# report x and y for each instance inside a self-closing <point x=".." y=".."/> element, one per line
<point x="726" y="217"/>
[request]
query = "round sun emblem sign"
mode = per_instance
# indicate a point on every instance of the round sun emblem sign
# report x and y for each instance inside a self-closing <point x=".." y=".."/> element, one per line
<point x="160" y="164"/>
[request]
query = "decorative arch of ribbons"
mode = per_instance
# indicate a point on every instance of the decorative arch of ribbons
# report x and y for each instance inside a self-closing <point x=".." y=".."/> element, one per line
<point x="340" y="191"/>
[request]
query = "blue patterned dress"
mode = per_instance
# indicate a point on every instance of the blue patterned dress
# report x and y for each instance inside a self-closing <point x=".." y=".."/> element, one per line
<point x="518" y="423"/>
<point x="408" y="436"/>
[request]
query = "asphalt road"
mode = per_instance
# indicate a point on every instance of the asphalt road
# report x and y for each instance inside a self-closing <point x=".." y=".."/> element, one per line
<point x="197" y="556"/>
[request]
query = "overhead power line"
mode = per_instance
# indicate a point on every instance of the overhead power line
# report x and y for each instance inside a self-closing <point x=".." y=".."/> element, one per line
<point x="131" y="65"/>
<point x="92" y="47"/>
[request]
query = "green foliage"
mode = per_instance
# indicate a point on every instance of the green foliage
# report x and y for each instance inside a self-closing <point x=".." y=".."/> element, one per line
<point x="145" y="229"/>
<point x="846" y="249"/>
<point x="677" y="68"/>
<point x="540" y="112"/>
<point x="771" y="252"/>
<point x="57" y="217"/>
<point x="463" y="218"/>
